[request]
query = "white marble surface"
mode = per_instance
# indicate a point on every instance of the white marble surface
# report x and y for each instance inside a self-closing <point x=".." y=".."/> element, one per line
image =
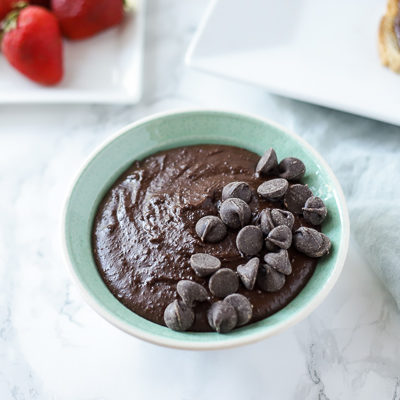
<point x="53" y="346"/>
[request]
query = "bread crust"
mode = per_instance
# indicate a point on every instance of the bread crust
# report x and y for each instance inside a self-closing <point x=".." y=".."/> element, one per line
<point x="389" y="50"/>
<point x="392" y="8"/>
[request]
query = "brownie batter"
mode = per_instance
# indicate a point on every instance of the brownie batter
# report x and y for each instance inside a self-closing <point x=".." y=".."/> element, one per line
<point x="144" y="230"/>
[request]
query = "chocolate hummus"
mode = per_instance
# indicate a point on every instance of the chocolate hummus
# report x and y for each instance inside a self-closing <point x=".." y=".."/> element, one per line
<point x="144" y="232"/>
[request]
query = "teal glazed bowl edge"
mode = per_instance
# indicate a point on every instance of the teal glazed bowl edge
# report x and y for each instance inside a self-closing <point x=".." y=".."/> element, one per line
<point x="182" y="128"/>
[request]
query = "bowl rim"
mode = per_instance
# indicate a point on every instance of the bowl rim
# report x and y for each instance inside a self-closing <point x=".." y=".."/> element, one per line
<point x="214" y="345"/>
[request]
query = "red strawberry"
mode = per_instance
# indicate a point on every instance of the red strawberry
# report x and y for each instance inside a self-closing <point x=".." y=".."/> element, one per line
<point x="32" y="44"/>
<point x="80" y="19"/>
<point x="6" y="6"/>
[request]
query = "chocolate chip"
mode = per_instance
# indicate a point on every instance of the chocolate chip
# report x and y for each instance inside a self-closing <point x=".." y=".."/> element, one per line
<point x="249" y="240"/>
<point x="269" y="279"/>
<point x="269" y="246"/>
<point x="279" y="261"/>
<point x="280" y="236"/>
<point x="242" y="306"/>
<point x="222" y="317"/>
<point x="282" y="217"/>
<point x="326" y="246"/>
<point x="311" y="242"/>
<point x="191" y="292"/>
<point x="204" y="264"/>
<point x="223" y="282"/>
<point x="235" y="213"/>
<point x="211" y="229"/>
<point x="270" y="218"/>
<point x="239" y="190"/>
<point x="307" y="240"/>
<point x="291" y="168"/>
<point x="314" y="210"/>
<point x="296" y="197"/>
<point x="273" y="189"/>
<point x="266" y="222"/>
<point x="248" y="272"/>
<point x="267" y="163"/>
<point x="178" y="316"/>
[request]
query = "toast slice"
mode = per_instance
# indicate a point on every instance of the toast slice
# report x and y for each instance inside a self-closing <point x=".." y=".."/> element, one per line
<point x="389" y="49"/>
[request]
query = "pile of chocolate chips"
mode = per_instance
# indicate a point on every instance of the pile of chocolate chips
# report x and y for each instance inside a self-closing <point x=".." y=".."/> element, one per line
<point x="273" y="231"/>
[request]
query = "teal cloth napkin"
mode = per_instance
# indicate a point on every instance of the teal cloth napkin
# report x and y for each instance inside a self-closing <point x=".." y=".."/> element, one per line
<point x="365" y="156"/>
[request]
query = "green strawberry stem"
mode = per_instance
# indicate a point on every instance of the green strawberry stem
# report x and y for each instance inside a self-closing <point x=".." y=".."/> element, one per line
<point x="10" y="21"/>
<point x="129" y="5"/>
<point x="20" y="5"/>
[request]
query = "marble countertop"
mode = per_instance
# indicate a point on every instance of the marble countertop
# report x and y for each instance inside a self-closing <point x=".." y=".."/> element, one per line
<point x="53" y="346"/>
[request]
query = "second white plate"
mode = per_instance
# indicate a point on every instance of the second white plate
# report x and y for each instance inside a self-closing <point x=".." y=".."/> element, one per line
<point x="316" y="51"/>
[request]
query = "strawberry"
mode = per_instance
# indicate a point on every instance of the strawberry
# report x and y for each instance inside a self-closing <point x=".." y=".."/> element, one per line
<point x="6" y="6"/>
<point x="80" y="19"/>
<point x="32" y="44"/>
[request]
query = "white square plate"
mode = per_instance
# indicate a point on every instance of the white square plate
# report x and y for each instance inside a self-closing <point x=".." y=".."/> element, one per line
<point x="322" y="52"/>
<point x="106" y="68"/>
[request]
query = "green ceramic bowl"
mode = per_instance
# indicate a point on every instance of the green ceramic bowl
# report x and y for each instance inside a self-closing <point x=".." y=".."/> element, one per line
<point x="173" y="129"/>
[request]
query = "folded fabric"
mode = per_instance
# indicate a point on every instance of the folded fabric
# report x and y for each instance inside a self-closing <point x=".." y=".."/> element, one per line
<point x="376" y="228"/>
<point x="365" y="156"/>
